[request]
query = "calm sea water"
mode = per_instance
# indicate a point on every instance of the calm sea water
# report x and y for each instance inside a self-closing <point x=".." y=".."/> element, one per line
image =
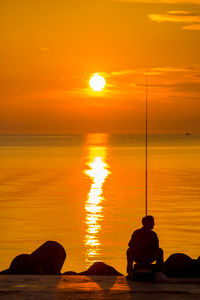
<point x="87" y="192"/>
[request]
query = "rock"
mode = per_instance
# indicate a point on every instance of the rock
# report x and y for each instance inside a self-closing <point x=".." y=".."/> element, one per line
<point x="49" y="257"/>
<point x="22" y="265"/>
<point x="70" y="273"/>
<point x="100" y="268"/>
<point x="181" y="265"/>
<point x="5" y="272"/>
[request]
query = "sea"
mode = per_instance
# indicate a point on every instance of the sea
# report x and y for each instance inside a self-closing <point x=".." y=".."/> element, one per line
<point x="87" y="192"/>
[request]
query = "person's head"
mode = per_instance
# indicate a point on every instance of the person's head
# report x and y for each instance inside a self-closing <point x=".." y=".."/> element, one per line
<point x="148" y="222"/>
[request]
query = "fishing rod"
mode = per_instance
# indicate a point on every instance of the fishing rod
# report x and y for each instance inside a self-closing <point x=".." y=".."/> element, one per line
<point x="146" y="161"/>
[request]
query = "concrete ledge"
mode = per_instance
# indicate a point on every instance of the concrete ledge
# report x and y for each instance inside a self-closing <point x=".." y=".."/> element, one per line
<point x="95" y="287"/>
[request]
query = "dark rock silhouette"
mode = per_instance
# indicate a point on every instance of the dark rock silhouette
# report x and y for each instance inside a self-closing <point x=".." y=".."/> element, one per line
<point x="48" y="259"/>
<point x="181" y="265"/>
<point x="70" y="273"/>
<point x="22" y="264"/>
<point x="100" y="268"/>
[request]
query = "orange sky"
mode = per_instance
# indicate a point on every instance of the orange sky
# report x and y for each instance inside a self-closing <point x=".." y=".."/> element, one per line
<point x="49" y="49"/>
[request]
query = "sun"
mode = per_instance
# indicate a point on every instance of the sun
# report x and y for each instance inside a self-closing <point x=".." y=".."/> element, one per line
<point x="97" y="82"/>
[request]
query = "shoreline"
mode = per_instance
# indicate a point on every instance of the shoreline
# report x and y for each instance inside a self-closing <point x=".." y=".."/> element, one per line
<point x="95" y="287"/>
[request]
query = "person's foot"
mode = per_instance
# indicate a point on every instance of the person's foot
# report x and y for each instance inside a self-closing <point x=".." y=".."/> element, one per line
<point x="130" y="273"/>
<point x="129" y="269"/>
<point x="129" y="276"/>
<point x="159" y="267"/>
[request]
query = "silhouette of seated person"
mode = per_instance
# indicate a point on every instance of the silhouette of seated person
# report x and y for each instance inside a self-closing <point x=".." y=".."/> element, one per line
<point x="144" y="246"/>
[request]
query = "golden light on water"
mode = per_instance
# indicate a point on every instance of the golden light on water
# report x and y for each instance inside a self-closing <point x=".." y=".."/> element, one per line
<point x="97" y="171"/>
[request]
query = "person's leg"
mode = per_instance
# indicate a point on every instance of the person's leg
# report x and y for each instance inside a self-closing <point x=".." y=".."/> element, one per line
<point x="159" y="257"/>
<point x="130" y="256"/>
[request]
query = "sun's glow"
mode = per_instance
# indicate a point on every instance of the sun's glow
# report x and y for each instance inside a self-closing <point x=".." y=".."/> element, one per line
<point x="97" y="82"/>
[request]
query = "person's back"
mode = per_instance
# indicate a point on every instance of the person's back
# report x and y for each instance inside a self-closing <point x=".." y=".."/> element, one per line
<point x="144" y="241"/>
<point x="144" y="246"/>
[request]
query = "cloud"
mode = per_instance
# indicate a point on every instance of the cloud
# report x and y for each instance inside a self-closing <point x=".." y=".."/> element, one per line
<point x="192" y="27"/>
<point x="154" y="71"/>
<point x="159" y="1"/>
<point x="165" y="83"/>
<point x="123" y="72"/>
<point x="178" y="17"/>
<point x="136" y="72"/>
<point x="187" y="87"/>
<point x="175" y="16"/>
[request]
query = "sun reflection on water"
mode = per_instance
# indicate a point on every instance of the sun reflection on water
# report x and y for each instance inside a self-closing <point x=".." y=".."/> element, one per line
<point x="97" y="171"/>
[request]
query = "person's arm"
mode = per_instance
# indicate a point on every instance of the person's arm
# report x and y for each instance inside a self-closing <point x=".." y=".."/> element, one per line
<point x="156" y="242"/>
<point x="132" y="240"/>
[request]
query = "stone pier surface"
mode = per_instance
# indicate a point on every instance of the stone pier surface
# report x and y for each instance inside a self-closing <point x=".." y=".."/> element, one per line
<point x="95" y="287"/>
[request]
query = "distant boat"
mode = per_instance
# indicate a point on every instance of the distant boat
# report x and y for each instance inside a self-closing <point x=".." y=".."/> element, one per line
<point x="187" y="133"/>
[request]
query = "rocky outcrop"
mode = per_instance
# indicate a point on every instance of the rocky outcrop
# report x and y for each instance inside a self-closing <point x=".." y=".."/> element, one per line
<point x="48" y="259"/>
<point x="70" y="273"/>
<point x="100" y="268"/>
<point x="181" y="265"/>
